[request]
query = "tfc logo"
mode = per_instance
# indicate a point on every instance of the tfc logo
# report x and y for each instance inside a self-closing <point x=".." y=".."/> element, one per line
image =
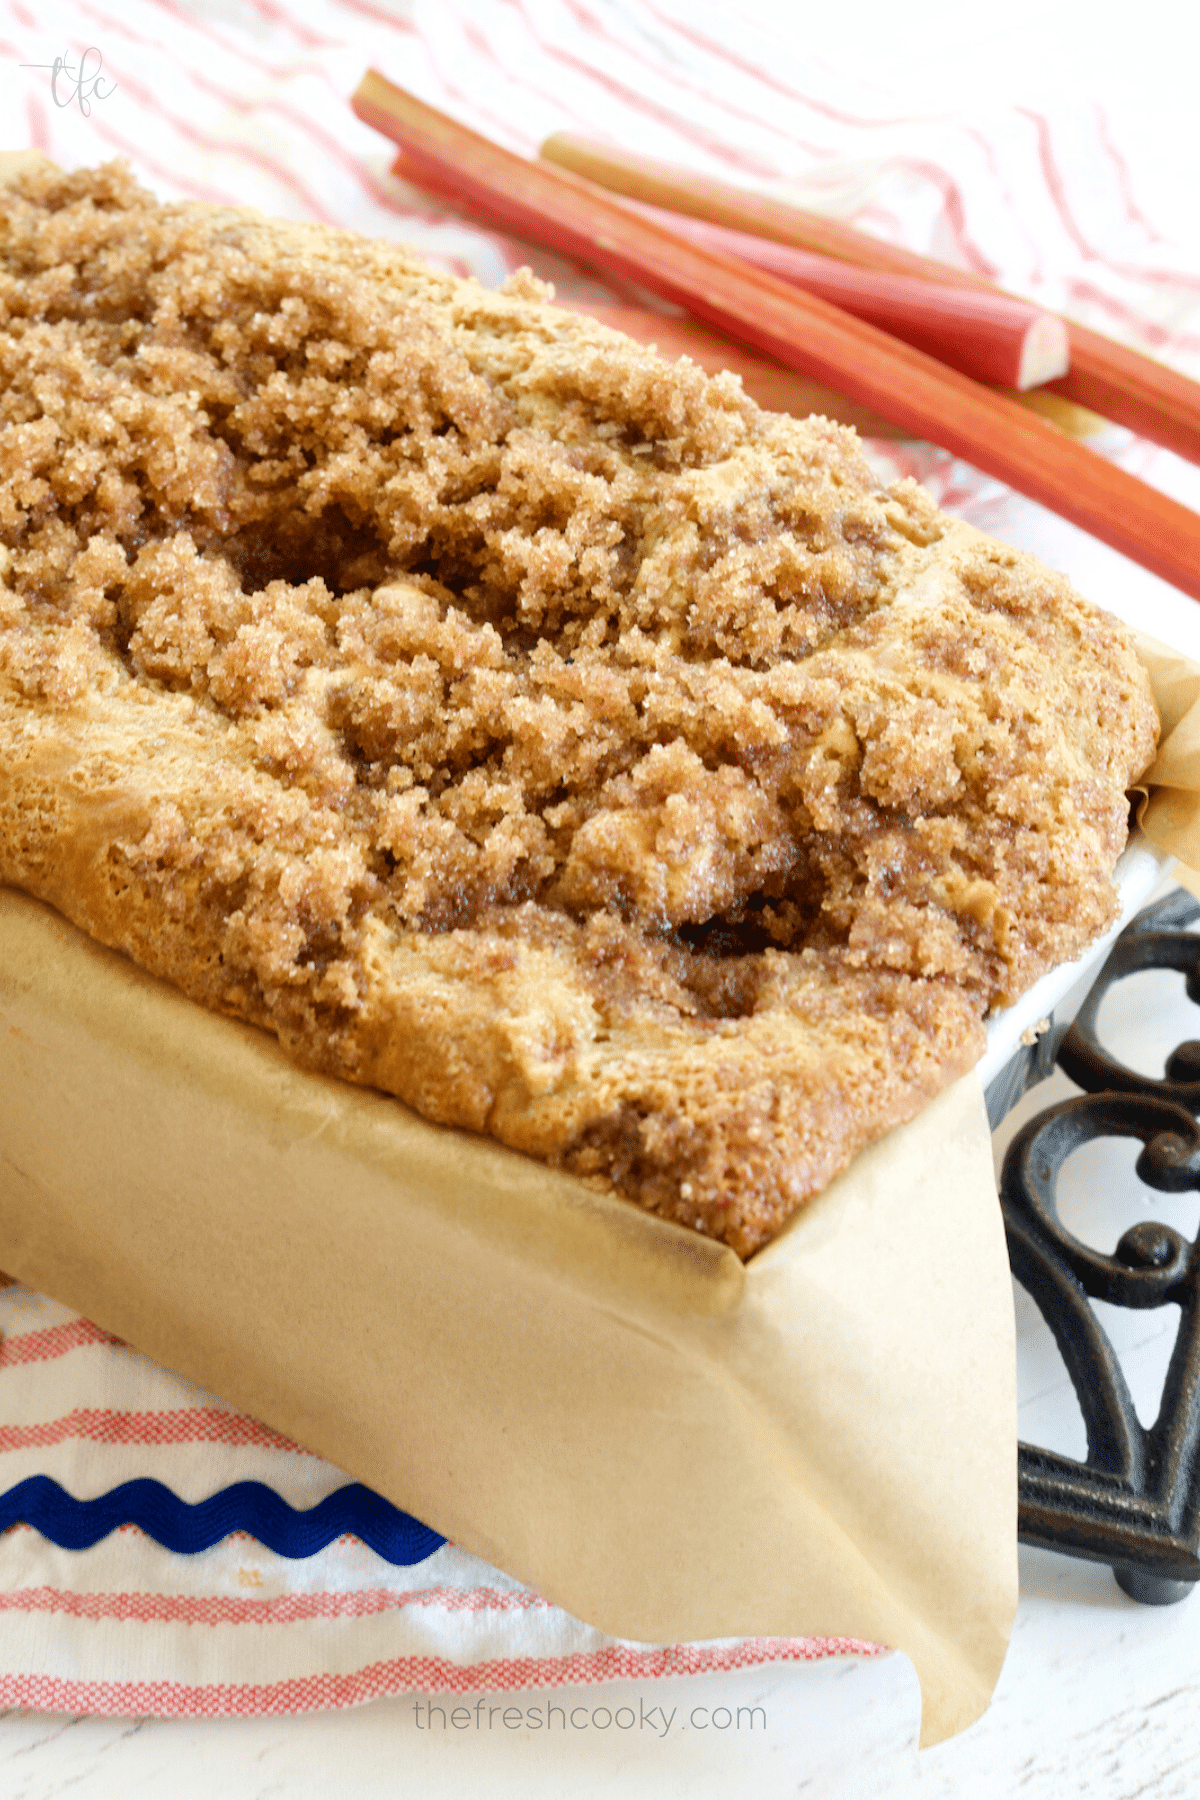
<point x="82" y="85"/>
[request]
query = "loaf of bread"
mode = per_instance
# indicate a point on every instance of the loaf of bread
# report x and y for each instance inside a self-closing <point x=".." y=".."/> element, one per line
<point x="515" y="721"/>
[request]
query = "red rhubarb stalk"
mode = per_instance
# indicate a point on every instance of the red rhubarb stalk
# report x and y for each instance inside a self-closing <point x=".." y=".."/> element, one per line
<point x="553" y="207"/>
<point x="1119" y="383"/>
<point x="989" y="336"/>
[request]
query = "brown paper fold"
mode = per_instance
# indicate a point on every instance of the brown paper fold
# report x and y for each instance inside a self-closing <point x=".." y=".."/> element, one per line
<point x="1169" y="812"/>
<point x="667" y="1442"/>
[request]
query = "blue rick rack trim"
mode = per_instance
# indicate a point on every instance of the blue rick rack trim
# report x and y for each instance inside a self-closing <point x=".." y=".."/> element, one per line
<point x="246" y="1506"/>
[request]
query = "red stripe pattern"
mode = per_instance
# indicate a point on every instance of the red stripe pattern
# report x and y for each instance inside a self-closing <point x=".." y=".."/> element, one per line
<point x="180" y="1425"/>
<point x="53" y="1341"/>
<point x="290" y="1609"/>
<point x="410" y="1674"/>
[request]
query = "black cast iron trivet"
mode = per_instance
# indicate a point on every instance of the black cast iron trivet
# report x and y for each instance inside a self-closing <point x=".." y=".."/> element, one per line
<point x="1134" y="1503"/>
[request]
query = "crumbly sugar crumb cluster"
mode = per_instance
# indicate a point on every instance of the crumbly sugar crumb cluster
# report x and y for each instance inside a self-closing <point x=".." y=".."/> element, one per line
<point x="515" y="721"/>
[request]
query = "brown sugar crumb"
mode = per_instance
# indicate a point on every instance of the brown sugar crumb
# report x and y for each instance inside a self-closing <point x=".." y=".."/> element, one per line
<point x="514" y="721"/>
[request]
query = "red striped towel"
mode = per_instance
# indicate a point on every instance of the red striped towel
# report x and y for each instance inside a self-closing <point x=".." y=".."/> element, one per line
<point x="130" y="1628"/>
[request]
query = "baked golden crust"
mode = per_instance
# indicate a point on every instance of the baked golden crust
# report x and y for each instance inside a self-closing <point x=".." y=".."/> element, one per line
<point x="516" y="722"/>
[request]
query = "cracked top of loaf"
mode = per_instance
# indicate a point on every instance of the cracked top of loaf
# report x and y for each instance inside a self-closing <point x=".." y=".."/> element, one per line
<point x="514" y="721"/>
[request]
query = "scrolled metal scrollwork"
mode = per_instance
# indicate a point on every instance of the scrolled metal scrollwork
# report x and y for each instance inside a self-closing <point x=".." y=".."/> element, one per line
<point x="1135" y="1502"/>
<point x="1155" y="940"/>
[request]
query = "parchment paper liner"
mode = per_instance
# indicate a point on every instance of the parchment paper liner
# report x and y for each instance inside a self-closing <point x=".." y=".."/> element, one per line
<point x="1169" y="813"/>
<point x="666" y="1442"/>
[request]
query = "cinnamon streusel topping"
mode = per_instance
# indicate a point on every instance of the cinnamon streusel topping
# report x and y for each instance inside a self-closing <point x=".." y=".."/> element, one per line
<point x="517" y="722"/>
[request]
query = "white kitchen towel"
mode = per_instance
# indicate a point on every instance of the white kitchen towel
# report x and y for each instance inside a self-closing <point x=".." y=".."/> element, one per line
<point x="131" y="1628"/>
